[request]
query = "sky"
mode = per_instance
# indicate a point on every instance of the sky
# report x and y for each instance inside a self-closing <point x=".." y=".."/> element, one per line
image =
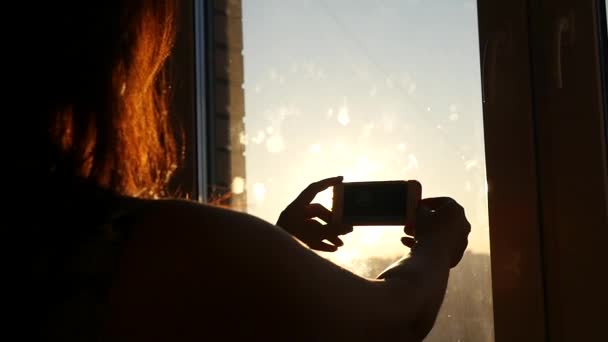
<point x="370" y="90"/>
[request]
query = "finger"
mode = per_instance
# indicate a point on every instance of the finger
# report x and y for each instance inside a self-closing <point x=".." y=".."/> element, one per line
<point x="324" y="247"/>
<point x="440" y="203"/>
<point x="313" y="189"/>
<point x="318" y="210"/>
<point x="422" y="213"/>
<point x="409" y="230"/>
<point x="408" y="241"/>
<point x="410" y="225"/>
<point x="435" y="202"/>
<point x="335" y="240"/>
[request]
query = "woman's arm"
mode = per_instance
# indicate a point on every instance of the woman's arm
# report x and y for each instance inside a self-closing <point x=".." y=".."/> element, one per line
<point x="189" y="261"/>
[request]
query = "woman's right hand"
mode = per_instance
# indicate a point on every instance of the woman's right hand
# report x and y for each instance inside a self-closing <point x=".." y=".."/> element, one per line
<point x="441" y="228"/>
<point x="298" y="219"/>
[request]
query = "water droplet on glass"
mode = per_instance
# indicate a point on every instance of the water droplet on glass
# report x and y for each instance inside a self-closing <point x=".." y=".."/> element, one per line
<point x="259" y="192"/>
<point x="411" y="89"/>
<point x="275" y="144"/>
<point x="315" y="148"/>
<point x="238" y="185"/>
<point x="343" y="117"/>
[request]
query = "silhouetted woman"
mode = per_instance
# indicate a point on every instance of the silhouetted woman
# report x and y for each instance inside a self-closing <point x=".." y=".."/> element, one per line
<point x="109" y="258"/>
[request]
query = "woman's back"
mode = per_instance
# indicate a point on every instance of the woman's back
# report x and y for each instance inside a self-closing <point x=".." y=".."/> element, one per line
<point x="117" y="268"/>
<point x="197" y="272"/>
<point x="174" y="270"/>
<point x="73" y="246"/>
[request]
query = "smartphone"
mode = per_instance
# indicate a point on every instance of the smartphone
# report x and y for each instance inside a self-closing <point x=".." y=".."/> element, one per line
<point x="379" y="203"/>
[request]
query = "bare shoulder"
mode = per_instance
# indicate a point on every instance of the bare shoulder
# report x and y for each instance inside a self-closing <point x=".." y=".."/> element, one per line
<point x="182" y="262"/>
<point x="177" y="208"/>
<point x="187" y="261"/>
<point x="198" y="223"/>
<point x="226" y="242"/>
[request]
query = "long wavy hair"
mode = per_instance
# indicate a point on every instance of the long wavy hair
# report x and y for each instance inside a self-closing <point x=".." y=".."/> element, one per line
<point x="93" y="123"/>
<point x="102" y="116"/>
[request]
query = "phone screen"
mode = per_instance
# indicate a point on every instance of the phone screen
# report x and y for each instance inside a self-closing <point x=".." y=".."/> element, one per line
<point x="375" y="202"/>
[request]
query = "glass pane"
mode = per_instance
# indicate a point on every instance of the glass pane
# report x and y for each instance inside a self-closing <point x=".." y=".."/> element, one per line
<point x="372" y="90"/>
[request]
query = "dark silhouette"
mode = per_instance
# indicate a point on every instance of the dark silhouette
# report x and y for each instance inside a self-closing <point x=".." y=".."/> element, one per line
<point x="108" y="259"/>
<point x="466" y="313"/>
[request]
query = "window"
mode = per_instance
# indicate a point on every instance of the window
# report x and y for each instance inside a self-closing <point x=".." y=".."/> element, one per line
<point x="315" y="94"/>
<point x="488" y="110"/>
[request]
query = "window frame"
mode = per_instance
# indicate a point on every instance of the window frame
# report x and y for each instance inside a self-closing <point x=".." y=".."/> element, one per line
<point x="203" y="101"/>
<point x="570" y="125"/>
<point x="516" y="260"/>
<point x="220" y="102"/>
<point x="531" y="298"/>
<point x="602" y="19"/>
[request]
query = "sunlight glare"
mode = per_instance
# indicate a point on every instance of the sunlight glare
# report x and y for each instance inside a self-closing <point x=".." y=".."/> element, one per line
<point x="259" y="138"/>
<point x="259" y="192"/>
<point x="238" y="185"/>
<point x="275" y="144"/>
<point x="412" y="162"/>
<point x="371" y="235"/>
<point x="345" y="256"/>
<point x="325" y="198"/>
<point x="315" y="148"/>
<point x="343" y="117"/>
<point x="470" y="164"/>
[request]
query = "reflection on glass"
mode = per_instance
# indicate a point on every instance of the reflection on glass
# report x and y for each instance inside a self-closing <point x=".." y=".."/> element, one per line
<point x="371" y="90"/>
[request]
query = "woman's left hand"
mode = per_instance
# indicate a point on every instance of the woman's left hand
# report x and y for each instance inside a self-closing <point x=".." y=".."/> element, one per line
<point x="299" y="219"/>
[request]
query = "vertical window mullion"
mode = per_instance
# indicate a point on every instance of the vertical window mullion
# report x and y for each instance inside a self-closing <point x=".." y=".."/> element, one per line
<point x="202" y="124"/>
